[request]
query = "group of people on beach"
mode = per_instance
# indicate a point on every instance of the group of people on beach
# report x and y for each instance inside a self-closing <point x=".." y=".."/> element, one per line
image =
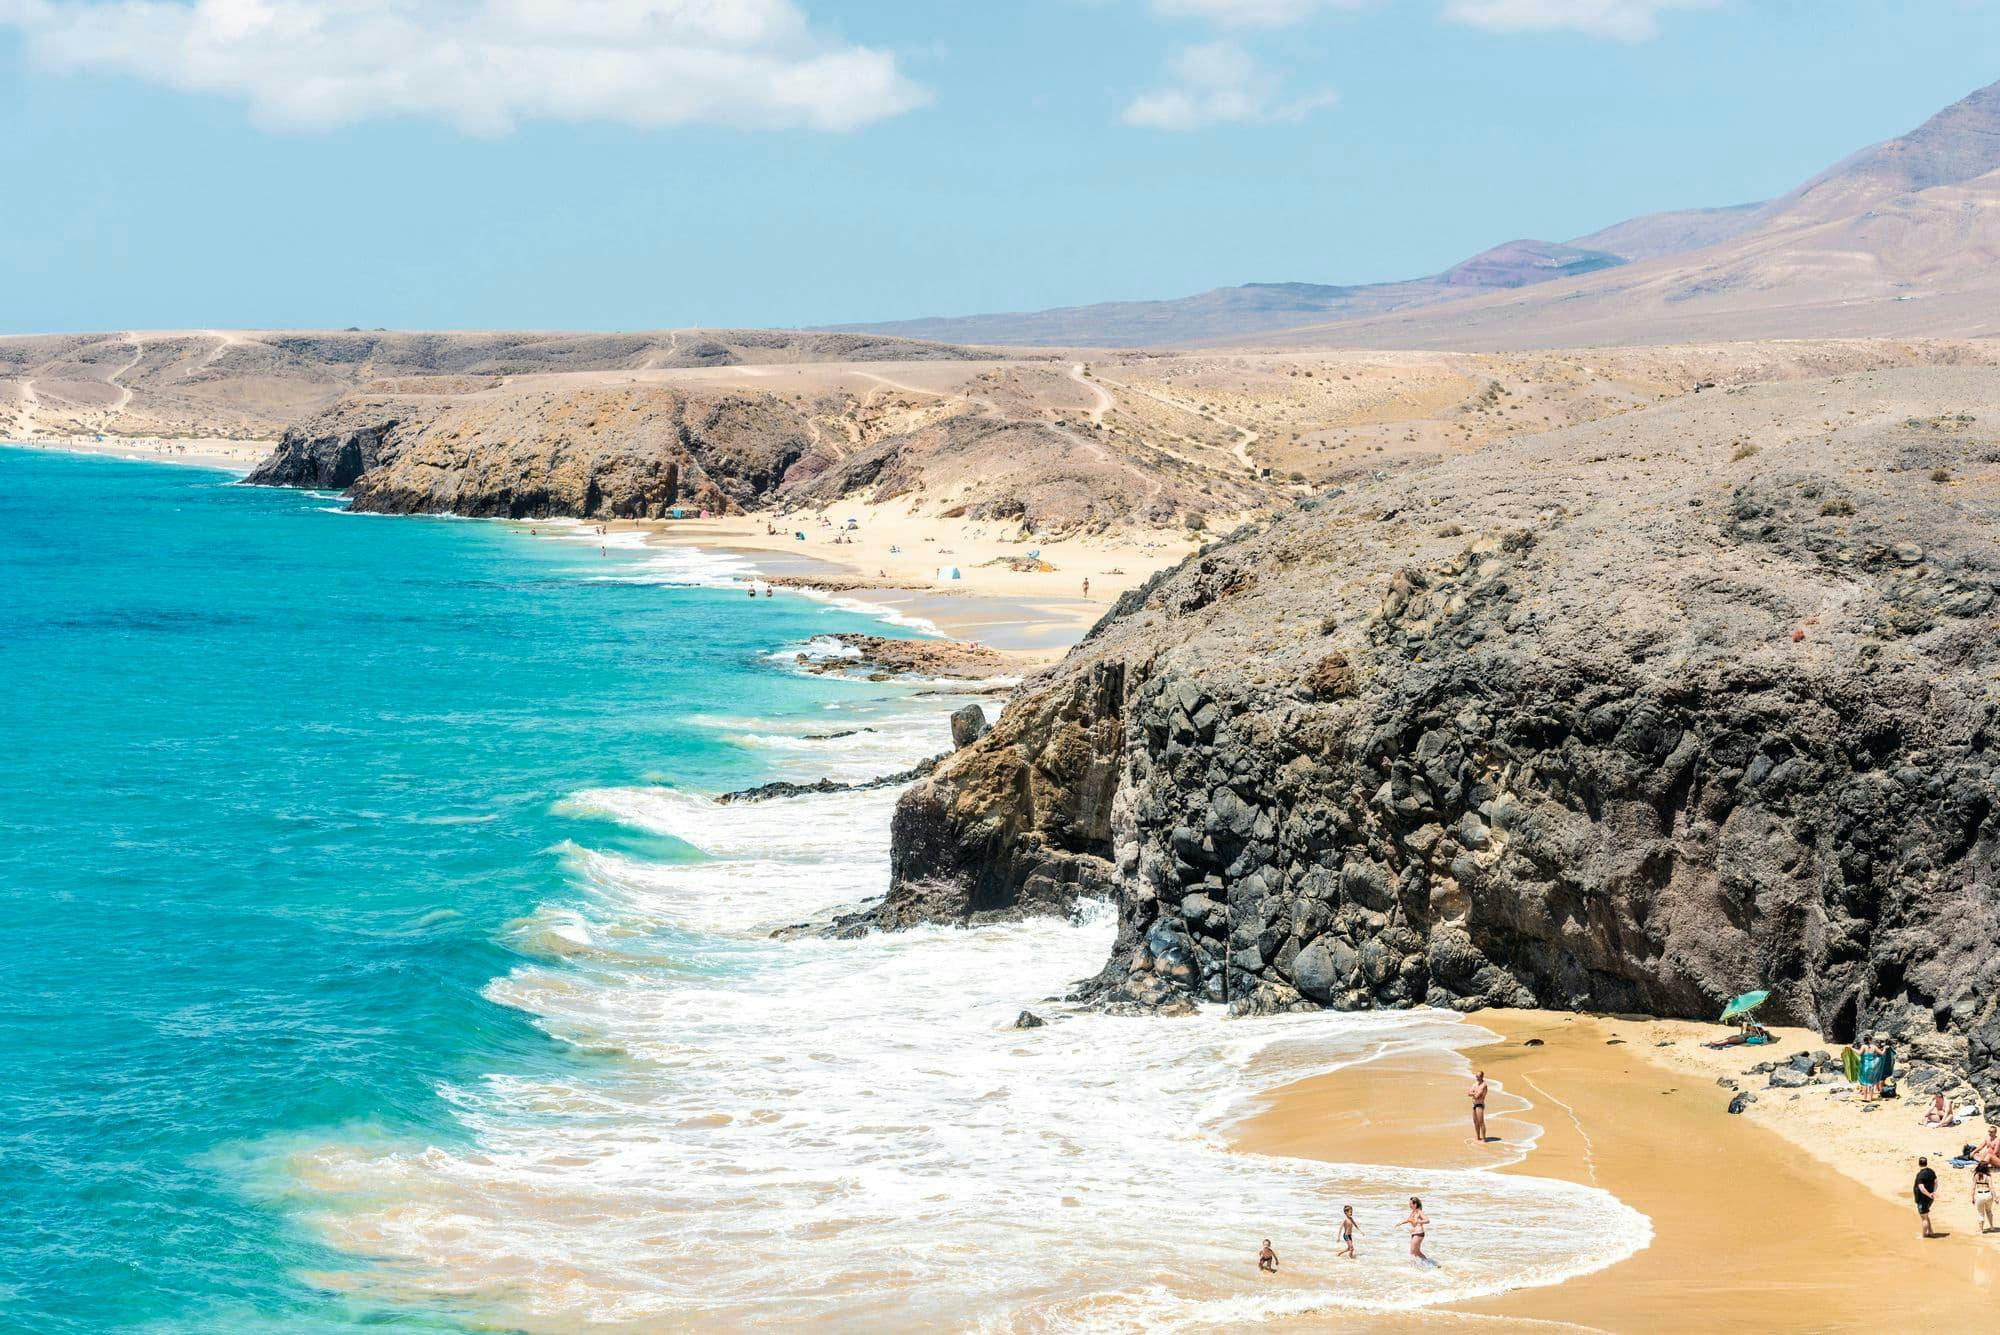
<point x="1877" y="1063"/>
<point x="1416" y="1221"/>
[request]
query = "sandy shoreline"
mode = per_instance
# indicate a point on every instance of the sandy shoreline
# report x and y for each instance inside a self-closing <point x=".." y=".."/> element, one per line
<point x="891" y="559"/>
<point x="235" y="456"/>
<point x="1032" y="609"/>
<point x="1754" y="1227"/>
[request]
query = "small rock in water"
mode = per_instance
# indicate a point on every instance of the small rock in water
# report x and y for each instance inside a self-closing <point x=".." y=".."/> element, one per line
<point x="1610" y="1041"/>
<point x="1739" y="1103"/>
<point x="1029" y="1020"/>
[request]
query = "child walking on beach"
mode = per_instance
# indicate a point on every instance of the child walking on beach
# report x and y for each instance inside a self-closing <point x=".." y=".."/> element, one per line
<point x="1348" y="1228"/>
<point x="1267" y="1260"/>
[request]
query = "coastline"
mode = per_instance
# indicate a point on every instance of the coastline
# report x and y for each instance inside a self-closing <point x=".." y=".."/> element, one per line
<point x="1793" y="1216"/>
<point x="891" y="558"/>
<point x="1759" y="1221"/>
<point x="234" y="456"/>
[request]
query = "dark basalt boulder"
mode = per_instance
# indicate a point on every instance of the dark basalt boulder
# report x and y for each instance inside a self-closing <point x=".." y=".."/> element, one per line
<point x="968" y="725"/>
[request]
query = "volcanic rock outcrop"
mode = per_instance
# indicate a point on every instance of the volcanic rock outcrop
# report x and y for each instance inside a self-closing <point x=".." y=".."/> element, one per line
<point x="1630" y="716"/>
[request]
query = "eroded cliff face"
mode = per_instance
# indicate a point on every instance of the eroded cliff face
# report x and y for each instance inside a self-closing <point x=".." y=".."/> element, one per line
<point x="1634" y="716"/>
<point x="625" y="453"/>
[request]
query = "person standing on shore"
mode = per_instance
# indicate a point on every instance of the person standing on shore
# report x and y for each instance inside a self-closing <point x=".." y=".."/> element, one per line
<point x="1478" y="1096"/>
<point x="1418" y="1221"/>
<point x="1982" y="1197"/>
<point x="1925" y="1190"/>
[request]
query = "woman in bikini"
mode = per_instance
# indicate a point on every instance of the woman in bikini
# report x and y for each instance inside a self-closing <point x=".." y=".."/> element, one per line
<point x="1416" y="1223"/>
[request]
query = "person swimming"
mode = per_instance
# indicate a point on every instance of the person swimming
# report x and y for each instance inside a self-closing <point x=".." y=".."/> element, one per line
<point x="1267" y="1260"/>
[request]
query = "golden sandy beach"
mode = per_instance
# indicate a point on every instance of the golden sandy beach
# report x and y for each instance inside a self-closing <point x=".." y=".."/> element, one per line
<point x="892" y="558"/>
<point x="1793" y="1217"/>
<point x="238" y="456"/>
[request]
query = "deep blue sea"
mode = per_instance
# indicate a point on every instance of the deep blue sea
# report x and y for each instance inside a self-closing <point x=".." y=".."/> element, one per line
<point x="376" y="954"/>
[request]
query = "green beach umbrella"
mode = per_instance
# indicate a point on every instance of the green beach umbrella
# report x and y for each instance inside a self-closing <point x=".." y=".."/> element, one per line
<point x="1744" y="1004"/>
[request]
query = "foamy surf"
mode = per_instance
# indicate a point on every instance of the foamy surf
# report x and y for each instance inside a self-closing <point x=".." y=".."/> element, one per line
<point x="851" y="1134"/>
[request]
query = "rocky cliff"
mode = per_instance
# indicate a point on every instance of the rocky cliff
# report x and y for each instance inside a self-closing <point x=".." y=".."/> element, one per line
<point x="626" y="452"/>
<point x="634" y="448"/>
<point x="1631" y="716"/>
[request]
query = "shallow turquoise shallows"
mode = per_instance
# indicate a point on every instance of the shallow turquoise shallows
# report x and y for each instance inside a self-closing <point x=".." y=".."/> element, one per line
<point x="275" y="780"/>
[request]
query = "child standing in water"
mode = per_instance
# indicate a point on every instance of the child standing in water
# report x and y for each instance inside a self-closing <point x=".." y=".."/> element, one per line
<point x="1416" y="1224"/>
<point x="1267" y="1260"/>
<point x="1348" y="1228"/>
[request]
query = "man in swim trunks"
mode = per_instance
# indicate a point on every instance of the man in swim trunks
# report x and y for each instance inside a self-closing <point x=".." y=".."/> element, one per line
<point x="1925" y="1190"/>
<point x="1478" y="1096"/>
<point x="1267" y="1260"/>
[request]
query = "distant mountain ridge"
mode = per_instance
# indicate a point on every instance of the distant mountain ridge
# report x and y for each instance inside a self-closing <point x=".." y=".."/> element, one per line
<point x="1872" y="229"/>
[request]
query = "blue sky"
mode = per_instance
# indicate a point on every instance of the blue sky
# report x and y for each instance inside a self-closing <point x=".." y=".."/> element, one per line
<point x="584" y="164"/>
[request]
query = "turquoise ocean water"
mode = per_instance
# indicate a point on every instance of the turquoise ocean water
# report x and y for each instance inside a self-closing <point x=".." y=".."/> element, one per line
<point x="276" y="782"/>
<point x="375" y="954"/>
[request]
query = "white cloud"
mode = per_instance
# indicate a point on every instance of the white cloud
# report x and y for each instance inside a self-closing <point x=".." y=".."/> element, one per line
<point x="1624" y="20"/>
<point x="1251" y="13"/>
<point x="1218" y="83"/>
<point x="483" y="65"/>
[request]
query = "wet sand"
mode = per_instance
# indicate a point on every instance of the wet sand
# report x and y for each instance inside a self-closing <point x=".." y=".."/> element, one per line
<point x="1751" y="1231"/>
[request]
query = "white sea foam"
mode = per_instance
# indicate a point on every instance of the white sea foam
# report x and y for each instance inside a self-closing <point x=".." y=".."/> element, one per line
<point x="871" y="608"/>
<point x="849" y="1133"/>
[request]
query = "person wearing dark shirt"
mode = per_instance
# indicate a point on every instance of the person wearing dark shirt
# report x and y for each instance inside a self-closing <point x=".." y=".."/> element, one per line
<point x="1925" y="1190"/>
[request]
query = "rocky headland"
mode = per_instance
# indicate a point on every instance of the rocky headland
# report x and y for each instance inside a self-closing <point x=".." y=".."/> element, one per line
<point x="1630" y="716"/>
<point x="884" y="656"/>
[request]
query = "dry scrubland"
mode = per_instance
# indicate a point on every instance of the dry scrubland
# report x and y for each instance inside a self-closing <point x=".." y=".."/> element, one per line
<point x="1060" y="442"/>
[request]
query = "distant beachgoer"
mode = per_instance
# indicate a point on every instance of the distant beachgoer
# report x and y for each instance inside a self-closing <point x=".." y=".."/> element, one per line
<point x="1871" y="1066"/>
<point x="1982" y="1197"/>
<point x="1348" y="1228"/>
<point x="1940" y="1111"/>
<point x="1478" y="1096"/>
<point x="1267" y="1260"/>
<point x="1416" y="1223"/>
<point x="1086" y="586"/>
<point x="1925" y="1190"/>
